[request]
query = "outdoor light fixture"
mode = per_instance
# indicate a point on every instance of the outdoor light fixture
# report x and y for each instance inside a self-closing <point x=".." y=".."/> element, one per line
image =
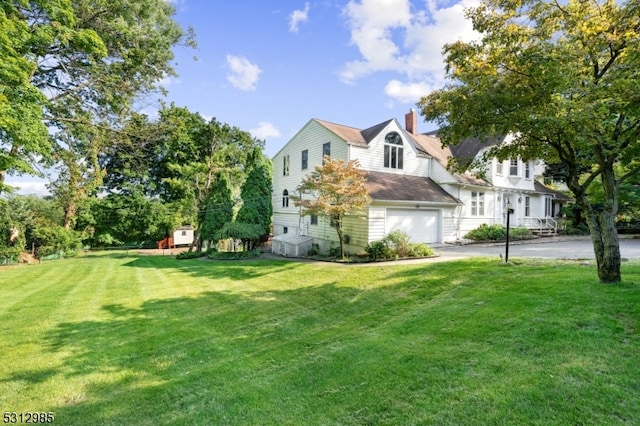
<point x="509" y="211"/>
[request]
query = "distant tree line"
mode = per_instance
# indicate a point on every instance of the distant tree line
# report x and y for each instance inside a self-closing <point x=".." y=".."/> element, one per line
<point x="70" y="76"/>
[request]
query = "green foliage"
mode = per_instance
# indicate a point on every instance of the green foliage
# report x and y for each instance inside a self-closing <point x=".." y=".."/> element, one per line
<point x="218" y="209"/>
<point x="226" y="255"/>
<point x="334" y="189"/>
<point x="487" y="232"/>
<point x="379" y="250"/>
<point x="255" y="192"/>
<point x="397" y="244"/>
<point x="128" y="219"/>
<point x="248" y="233"/>
<point x="190" y="255"/>
<point x="498" y="232"/>
<point x="68" y="72"/>
<point x="420" y="250"/>
<point x="561" y="78"/>
<point x="440" y="341"/>
<point x="56" y="239"/>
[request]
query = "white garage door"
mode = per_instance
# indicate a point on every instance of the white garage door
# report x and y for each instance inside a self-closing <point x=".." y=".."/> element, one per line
<point x="421" y="225"/>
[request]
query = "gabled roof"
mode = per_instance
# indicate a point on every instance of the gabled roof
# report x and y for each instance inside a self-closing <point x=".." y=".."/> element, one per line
<point x="355" y="136"/>
<point x="346" y="133"/>
<point x="556" y="194"/>
<point x="433" y="147"/>
<point x="395" y="187"/>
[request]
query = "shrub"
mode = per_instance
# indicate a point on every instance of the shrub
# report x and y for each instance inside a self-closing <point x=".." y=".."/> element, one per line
<point x="397" y="244"/>
<point x="498" y="232"/>
<point x="520" y="233"/>
<point x="487" y="233"/>
<point x="189" y="255"/>
<point x="378" y="250"/>
<point x="420" y="250"/>
<point x="56" y="239"/>
<point x="229" y="255"/>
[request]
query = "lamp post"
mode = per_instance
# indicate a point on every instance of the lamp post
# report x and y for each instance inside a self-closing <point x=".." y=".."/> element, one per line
<point x="509" y="211"/>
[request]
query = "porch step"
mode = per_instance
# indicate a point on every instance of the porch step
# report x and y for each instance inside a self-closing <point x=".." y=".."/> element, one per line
<point x="544" y="232"/>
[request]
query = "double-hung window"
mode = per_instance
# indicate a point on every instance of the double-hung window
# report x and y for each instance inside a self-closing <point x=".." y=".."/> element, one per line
<point x="286" y="161"/>
<point x="305" y="159"/>
<point x="477" y="203"/>
<point x="326" y="151"/>
<point x="513" y="167"/>
<point x="393" y="151"/>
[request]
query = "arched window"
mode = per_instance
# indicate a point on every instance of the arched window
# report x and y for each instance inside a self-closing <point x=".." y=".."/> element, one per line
<point x="393" y="151"/>
<point x="285" y="198"/>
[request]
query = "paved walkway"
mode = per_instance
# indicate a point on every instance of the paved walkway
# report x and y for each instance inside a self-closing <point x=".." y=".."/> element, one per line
<point x="564" y="247"/>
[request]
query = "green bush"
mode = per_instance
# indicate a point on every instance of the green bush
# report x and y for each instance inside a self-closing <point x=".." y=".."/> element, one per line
<point x="232" y="255"/>
<point x="397" y="244"/>
<point x="497" y="232"/>
<point x="189" y="255"/>
<point x="378" y="250"/>
<point x="420" y="250"/>
<point x="487" y="233"/>
<point x="56" y="239"/>
<point x="520" y="233"/>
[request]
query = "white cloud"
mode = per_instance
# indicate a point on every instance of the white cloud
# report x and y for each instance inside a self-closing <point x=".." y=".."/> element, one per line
<point x="265" y="130"/>
<point x="30" y="187"/>
<point x="297" y="17"/>
<point x="407" y="92"/>
<point x="405" y="37"/>
<point x="243" y="75"/>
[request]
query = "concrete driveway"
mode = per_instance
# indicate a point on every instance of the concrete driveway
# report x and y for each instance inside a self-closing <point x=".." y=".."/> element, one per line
<point x="550" y="247"/>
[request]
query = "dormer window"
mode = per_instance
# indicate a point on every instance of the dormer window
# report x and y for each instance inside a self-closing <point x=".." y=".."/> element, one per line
<point x="513" y="167"/>
<point x="393" y="154"/>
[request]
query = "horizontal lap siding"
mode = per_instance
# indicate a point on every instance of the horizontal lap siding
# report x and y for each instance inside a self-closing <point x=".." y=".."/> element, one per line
<point x="311" y="137"/>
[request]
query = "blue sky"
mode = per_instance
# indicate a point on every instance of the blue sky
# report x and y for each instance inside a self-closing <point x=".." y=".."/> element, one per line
<point x="268" y="67"/>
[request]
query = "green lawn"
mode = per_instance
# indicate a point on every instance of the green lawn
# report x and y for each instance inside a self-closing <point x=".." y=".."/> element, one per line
<point x="111" y="339"/>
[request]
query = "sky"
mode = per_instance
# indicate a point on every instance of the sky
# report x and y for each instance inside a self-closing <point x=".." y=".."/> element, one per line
<point x="268" y="67"/>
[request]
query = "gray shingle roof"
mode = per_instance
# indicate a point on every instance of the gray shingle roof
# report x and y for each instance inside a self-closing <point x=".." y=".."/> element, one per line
<point x="394" y="187"/>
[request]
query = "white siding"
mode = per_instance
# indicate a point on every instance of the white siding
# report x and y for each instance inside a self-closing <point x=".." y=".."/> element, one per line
<point x="440" y="174"/>
<point x="311" y="137"/>
<point x="372" y="157"/>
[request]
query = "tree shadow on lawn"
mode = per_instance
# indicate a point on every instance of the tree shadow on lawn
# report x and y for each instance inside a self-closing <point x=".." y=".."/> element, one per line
<point x="325" y="353"/>
<point x="233" y="269"/>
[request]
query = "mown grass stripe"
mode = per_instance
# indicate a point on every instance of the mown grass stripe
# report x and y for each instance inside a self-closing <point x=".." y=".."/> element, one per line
<point x="158" y="341"/>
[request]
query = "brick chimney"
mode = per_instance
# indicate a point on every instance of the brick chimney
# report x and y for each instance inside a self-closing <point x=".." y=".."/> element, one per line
<point x="411" y="122"/>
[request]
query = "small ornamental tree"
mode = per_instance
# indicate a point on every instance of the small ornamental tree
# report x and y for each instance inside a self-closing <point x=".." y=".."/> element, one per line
<point x="337" y="189"/>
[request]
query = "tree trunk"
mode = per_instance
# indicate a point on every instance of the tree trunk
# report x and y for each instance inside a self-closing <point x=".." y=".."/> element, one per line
<point x="338" y="226"/>
<point x="70" y="213"/>
<point x="606" y="245"/>
<point x="601" y="221"/>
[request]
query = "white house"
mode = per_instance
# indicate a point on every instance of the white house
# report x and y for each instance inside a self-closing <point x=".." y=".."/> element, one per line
<point x="410" y="186"/>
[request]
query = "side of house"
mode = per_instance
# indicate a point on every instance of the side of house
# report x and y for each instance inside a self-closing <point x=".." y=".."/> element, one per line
<point x="410" y="185"/>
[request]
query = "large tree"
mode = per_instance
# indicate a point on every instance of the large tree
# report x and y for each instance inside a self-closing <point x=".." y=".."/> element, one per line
<point x="71" y="70"/>
<point x="334" y="190"/>
<point x="562" y="77"/>
<point x="255" y="193"/>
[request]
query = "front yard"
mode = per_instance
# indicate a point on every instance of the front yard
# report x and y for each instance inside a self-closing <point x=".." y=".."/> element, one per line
<point x="117" y="339"/>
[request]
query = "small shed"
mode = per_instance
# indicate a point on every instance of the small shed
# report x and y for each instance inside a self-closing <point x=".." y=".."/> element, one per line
<point x="183" y="236"/>
<point x="290" y="245"/>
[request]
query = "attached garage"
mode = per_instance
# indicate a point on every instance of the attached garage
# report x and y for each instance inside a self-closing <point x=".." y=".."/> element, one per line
<point x="422" y="226"/>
